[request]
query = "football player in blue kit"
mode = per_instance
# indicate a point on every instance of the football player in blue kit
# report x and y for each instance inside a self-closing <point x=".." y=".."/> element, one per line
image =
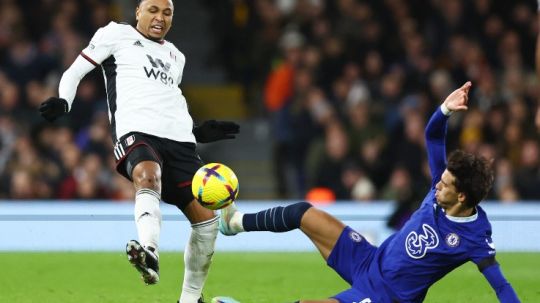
<point x="448" y="230"/>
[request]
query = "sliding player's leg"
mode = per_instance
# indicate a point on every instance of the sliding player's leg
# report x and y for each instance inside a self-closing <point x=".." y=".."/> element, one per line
<point x="322" y="228"/>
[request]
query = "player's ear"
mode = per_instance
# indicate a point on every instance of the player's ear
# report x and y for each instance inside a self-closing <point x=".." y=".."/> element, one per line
<point x="461" y="197"/>
<point x="137" y="12"/>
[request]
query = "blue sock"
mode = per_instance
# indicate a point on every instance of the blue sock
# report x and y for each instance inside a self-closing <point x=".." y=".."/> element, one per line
<point x="277" y="219"/>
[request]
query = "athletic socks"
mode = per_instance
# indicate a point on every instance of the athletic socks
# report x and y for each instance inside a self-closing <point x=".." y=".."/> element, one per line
<point x="277" y="219"/>
<point x="148" y="217"/>
<point x="197" y="259"/>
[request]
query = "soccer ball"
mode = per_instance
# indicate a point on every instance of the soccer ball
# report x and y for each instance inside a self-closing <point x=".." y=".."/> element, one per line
<point x="215" y="186"/>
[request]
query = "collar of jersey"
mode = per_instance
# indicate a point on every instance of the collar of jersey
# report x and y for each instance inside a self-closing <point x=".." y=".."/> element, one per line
<point x="463" y="219"/>
<point x="148" y="38"/>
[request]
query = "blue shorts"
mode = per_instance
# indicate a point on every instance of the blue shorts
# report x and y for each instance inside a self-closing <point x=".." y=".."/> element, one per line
<point x="351" y="258"/>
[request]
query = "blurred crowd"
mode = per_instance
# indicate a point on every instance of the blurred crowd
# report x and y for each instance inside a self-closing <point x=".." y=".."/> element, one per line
<point x="72" y="158"/>
<point x="346" y="85"/>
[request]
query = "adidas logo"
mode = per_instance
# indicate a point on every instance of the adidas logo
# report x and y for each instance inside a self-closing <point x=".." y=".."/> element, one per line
<point x="138" y="43"/>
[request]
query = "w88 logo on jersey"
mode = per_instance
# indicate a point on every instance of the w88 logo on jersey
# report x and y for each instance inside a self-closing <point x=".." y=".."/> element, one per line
<point x="159" y="71"/>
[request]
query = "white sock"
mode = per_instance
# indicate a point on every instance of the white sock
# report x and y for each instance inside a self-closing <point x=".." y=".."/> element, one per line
<point x="236" y="222"/>
<point x="148" y="217"/>
<point x="197" y="259"/>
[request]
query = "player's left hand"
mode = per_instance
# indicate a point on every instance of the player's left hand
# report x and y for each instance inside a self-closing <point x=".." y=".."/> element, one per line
<point x="458" y="99"/>
<point x="212" y="130"/>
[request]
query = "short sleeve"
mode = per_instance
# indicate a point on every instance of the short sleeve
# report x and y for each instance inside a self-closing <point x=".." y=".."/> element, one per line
<point x="101" y="45"/>
<point x="485" y="248"/>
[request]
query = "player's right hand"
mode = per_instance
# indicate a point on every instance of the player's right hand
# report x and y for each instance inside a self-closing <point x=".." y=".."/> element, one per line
<point x="53" y="108"/>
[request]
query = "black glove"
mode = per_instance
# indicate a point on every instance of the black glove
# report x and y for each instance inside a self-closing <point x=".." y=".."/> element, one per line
<point x="53" y="108"/>
<point x="212" y="130"/>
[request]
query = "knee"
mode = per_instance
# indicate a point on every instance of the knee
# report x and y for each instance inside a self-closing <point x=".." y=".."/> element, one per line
<point x="147" y="174"/>
<point x="299" y="209"/>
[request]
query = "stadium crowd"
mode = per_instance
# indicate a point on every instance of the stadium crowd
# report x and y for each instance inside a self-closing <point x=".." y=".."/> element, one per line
<point x="346" y="85"/>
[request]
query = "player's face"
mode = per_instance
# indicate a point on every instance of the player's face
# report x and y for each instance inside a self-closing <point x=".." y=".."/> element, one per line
<point x="447" y="195"/>
<point x="154" y="18"/>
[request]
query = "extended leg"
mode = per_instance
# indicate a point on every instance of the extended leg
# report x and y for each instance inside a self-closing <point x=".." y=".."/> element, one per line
<point x="199" y="250"/>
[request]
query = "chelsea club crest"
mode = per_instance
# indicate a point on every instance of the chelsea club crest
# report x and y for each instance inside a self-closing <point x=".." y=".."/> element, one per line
<point x="452" y="239"/>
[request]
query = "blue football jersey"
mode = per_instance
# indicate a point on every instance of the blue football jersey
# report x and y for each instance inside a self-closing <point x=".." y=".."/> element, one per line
<point x="430" y="244"/>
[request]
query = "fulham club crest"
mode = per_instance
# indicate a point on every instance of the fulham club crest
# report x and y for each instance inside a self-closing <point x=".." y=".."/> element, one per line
<point x="129" y="140"/>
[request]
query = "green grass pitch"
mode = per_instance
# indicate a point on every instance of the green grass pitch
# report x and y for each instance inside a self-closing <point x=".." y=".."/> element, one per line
<point x="248" y="277"/>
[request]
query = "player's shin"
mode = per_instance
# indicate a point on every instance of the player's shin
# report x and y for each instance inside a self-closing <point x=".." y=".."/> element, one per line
<point x="148" y="217"/>
<point x="277" y="219"/>
<point x="197" y="259"/>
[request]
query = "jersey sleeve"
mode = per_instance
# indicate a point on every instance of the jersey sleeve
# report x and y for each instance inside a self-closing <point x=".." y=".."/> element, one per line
<point x="484" y="250"/>
<point x="102" y="44"/>
<point x="504" y="291"/>
<point x="436" y="145"/>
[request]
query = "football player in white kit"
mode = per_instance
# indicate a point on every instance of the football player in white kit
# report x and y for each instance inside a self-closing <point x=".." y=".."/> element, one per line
<point x="153" y="133"/>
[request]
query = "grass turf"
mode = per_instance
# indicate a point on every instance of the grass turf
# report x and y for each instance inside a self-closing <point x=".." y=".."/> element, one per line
<point x="248" y="277"/>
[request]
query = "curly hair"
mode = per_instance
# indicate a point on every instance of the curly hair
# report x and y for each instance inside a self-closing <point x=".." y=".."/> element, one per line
<point x="473" y="174"/>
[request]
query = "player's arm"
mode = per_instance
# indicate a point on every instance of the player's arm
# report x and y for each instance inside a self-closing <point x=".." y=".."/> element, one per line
<point x="212" y="130"/>
<point x="493" y="274"/>
<point x="55" y="107"/>
<point x="436" y="130"/>
<point x="99" y="49"/>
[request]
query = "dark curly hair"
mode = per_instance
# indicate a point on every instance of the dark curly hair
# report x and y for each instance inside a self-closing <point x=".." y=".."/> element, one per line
<point x="474" y="175"/>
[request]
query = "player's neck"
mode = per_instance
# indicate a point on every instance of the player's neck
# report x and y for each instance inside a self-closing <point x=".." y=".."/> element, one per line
<point x="160" y="41"/>
<point x="460" y="211"/>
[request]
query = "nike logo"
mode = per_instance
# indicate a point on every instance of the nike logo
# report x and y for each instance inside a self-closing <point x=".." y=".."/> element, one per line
<point x="490" y="244"/>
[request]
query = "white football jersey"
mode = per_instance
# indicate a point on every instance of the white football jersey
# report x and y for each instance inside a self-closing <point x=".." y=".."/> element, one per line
<point x="141" y="78"/>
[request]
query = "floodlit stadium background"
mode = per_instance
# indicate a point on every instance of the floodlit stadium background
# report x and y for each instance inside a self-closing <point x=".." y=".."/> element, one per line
<point x="332" y="97"/>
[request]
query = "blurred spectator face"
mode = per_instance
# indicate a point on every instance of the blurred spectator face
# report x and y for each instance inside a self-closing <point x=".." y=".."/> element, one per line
<point x="311" y="57"/>
<point x="373" y="64"/>
<point x="400" y="179"/>
<point x="340" y="88"/>
<point x="34" y="93"/>
<point x="512" y="134"/>
<point x="63" y="137"/>
<point x="370" y="151"/>
<point x="493" y="27"/>
<point x="100" y="15"/>
<point x="414" y="127"/>
<point x="321" y="28"/>
<point x="303" y="80"/>
<point x="319" y="108"/>
<point x="70" y="157"/>
<point x="530" y="154"/>
<point x="509" y="43"/>
<point x="518" y="110"/>
<point x="92" y="165"/>
<point x="440" y="84"/>
<point x="496" y="120"/>
<point x="154" y="18"/>
<point x="9" y="96"/>
<point x="487" y="151"/>
<point x="359" y="115"/>
<point x="458" y="48"/>
<point x="337" y="144"/>
<point x="391" y="86"/>
<point x="21" y="185"/>
<point x="482" y="6"/>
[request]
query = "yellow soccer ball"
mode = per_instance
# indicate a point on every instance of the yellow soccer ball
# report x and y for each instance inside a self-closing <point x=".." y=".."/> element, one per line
<point x="215" y="186"/>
